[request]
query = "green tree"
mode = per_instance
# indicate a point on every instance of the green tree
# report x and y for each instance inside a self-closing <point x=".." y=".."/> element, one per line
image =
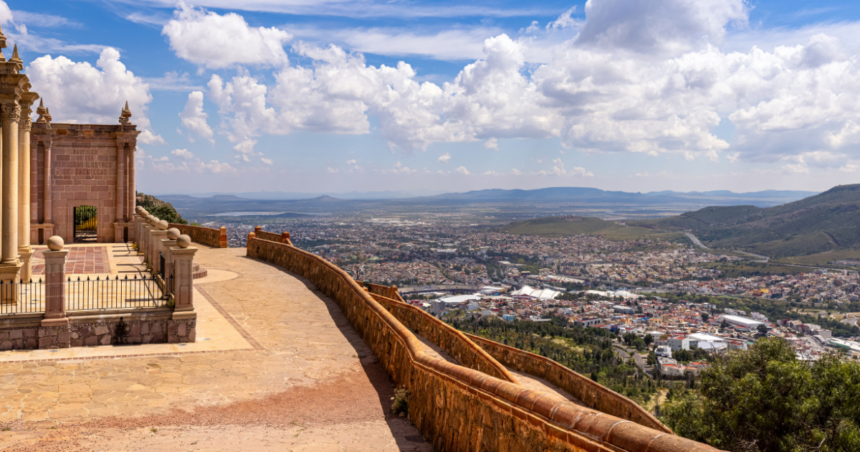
<point x="766" y="400"/>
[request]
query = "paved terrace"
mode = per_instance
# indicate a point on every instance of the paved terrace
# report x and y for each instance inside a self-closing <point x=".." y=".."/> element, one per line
<point x="276" y="366"/>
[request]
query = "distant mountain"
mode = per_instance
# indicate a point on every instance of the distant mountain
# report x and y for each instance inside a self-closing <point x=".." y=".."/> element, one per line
<point x="825" y="222"/>
<point x="593" y="195"/>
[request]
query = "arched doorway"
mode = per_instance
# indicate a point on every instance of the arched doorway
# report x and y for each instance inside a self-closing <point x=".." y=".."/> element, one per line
<point x="86" y="224"/>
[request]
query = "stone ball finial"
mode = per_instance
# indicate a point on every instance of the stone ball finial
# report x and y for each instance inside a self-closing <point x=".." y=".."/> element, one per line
<point x="55" y="243"/>
<point x="183" y="241"/>
<point x="173" y="233"/>
<point x="144" y="212"/>
<point x="152" y="220"/>
<point x="162" y="225"/>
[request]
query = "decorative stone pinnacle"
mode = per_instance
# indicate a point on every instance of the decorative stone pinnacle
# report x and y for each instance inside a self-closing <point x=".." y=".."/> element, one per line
<point x="126" y="113"/>
<point x="15" y="58"/>
<point x="2" y="42"/>
<point x="48" y="115"/>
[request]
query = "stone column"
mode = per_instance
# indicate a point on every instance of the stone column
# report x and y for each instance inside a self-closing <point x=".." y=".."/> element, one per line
<point x="55" y="281"/>
<point x="11" y="118"/>
<point x="46" y="203"/>
<point x="132" y="188"/>
<point x="167" y="245"/>
<point x="150" y="241"/>
<point x="158" y="235"/>
<point x="120" y="188"/>
<point x="34" y="194"/>
<point x="222" y="238"/>
<point x="183" y="262"/>
<point x="24" y="250"/>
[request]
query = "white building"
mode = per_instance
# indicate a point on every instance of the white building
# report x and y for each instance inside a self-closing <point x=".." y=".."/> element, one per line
<point x="742" y="322"/>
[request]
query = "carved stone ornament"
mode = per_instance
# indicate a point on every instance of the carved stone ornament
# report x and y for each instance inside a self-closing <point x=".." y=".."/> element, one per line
<point x="26" y="124"/>
<point x="12" y="112"/>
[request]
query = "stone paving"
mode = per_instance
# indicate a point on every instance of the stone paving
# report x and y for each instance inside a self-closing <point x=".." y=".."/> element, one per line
<point x="307" y="381"/>
<point x="82" y="260"/>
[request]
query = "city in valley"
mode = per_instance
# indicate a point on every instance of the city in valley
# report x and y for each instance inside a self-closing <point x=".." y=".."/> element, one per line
<point x="679" y="293"/>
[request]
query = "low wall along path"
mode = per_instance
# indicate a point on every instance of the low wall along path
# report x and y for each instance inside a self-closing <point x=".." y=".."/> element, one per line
<point x="459" y="408"/>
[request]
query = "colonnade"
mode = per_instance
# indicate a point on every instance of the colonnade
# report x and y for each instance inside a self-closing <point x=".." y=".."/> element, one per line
<point x="16" y="101"/>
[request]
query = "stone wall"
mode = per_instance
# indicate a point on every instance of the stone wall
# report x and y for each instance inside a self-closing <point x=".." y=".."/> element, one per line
<point x="270" y="236"/>
<point x="87" y="330"/>
<point x="460" y="408"/>
<point x="446" y="337"/>
<point x="199" y="234"/>
<point x="385" y="291"/>
<point x="587" y="391"/>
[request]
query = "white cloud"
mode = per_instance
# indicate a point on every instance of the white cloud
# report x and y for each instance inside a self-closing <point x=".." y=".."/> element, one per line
<point x="81" y="93"/>
<point x="558" y="169"/>
<point x="194" y="118"/>
<point x="463" y="170"/>
<point x="399" y="168"/>
<point x="5" y="13"/>
<point x="642" y="79"/>
<point x="214" y="41"/>
<point x="214" y="166"/>
<point x="183" y="153"/>
<point x="35" y="19"/>
<point x="444" y="158"/>
<point x="563" y="21"/>
<point x="667" y="26"/>
<point x="267" y="161"/>
<point x="245" y="148"/>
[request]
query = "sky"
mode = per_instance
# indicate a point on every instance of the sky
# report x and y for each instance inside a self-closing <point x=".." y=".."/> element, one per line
<point x="421" y="97"/>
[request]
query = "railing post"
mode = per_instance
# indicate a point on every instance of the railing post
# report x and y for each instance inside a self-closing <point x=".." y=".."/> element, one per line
<point x="222" y="237"/>
<point x="55" y="296"/>
<point x="251" y="236"/>
<point x="285" y="238"/>
<point x="151" y="221"/>
<point x="183" y="263"/>
<point x="158" y="234"/>
<point x="167" y="245"/>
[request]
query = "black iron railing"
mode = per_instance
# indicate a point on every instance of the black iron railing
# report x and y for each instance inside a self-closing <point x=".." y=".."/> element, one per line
<point x="90" y="294"/>
<point x="22" y="297"/>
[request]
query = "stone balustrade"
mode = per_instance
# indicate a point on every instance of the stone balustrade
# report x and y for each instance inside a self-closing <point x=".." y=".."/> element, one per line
<point x="587" y="391"/>
<point x="454" y="342"/>
<point x="206" y="236"/>
<point x="460" y="408"/>
<point x="385" y="291"/>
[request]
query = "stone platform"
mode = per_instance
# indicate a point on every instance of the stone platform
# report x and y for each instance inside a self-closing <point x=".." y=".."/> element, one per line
<point x="283" y="370"/>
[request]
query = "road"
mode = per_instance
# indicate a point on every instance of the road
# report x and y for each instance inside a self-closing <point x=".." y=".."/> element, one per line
<point x="637" y="358"/>
<point x="696" y="241"/>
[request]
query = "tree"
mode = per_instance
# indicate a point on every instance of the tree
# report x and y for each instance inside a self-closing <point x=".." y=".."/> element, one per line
<point x="705" y="316"/>
<point x="762" y="329"/>
<point x="766" y="400"/>
<point x="724" y="325"/>
<point x="649" y="339"/>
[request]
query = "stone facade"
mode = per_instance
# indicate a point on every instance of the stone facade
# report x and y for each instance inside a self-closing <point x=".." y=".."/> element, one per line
<point x="75" y="165"/>
<point x="460" y="408"/>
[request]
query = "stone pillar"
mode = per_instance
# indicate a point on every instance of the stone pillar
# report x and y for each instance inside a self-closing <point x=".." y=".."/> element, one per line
<point x="55" y="283"/>
<point x="120" y="189"/>
<point x="34" y="194"/>
<point x="132" y="188"/>
<point x="46" y="203"/>
<point x="183" y="261"/>
<point x="24" y="250"/>
<point x="158" y="236"/>
<point x="222" y="238"/>
<point x="169" y="268"/>
<point x="11" y="118"/>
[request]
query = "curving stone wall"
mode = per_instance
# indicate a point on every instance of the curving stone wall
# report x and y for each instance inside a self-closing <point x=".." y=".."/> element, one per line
<point x="385" y="291"/>
<point x="587" y="391"/>
<point x="454" y="342"/>
<point x="199" y="234"/>
<point x="460" y="408"/>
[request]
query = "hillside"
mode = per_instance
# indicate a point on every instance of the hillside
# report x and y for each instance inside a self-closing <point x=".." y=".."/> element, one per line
<point x="575" y="225"/>
<point x="159" y="208"/>
<point x="823" y="223"/>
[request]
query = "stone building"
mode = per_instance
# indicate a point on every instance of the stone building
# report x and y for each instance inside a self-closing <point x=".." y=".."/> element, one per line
<point x="72" y="180"/>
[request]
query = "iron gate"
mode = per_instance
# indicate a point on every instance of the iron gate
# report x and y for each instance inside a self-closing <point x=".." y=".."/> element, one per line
<point x="86" y="224"/>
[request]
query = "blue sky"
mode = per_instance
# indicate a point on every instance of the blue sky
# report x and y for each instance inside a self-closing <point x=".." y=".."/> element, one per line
<point x="302" y="96"/>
